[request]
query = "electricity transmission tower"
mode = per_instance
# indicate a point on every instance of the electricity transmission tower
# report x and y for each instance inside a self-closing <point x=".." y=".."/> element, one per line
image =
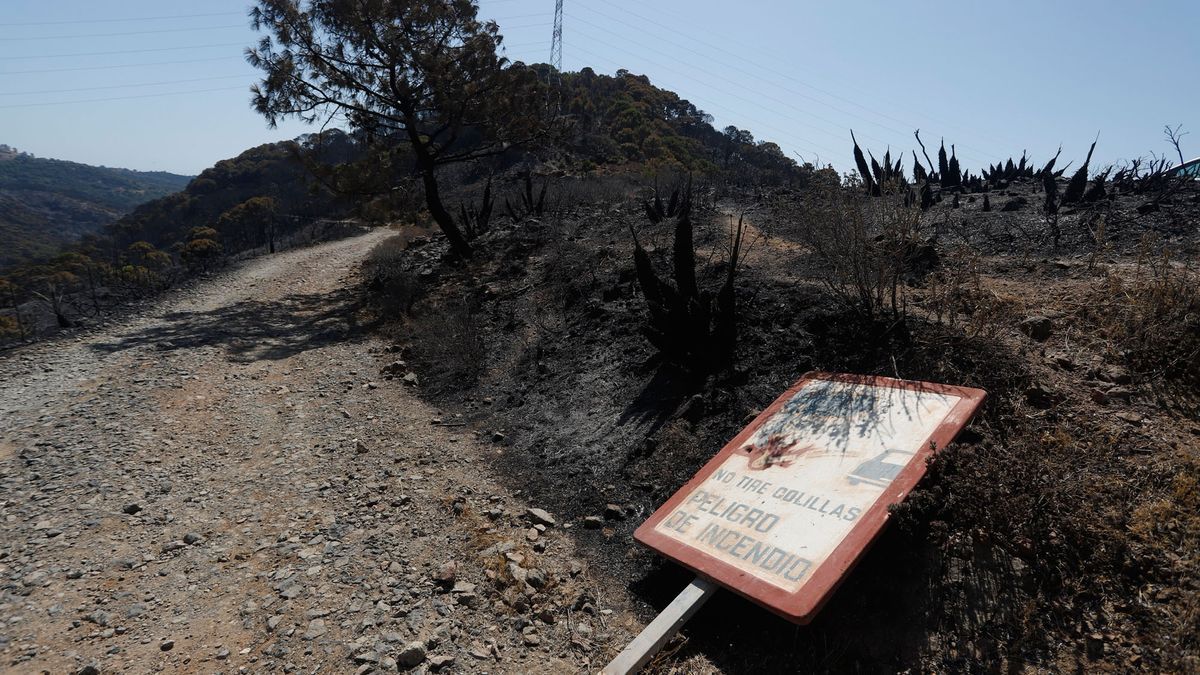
<point x="556" y="41"/>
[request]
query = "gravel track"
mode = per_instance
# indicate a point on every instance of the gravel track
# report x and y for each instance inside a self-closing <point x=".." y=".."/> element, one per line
<point x="225" y="483"/>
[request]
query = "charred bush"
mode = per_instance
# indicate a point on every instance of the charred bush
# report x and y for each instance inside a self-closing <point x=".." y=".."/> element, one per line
<point x="1078" y="185"/>
<point x="392" y="279"/>
<point x="447" y="343"/>
<point x="879" y="179"/>
<point x="475" y="219"/>
<point x="1151" y="314"/>
<point x="692" y="328"/>
<point x="870" y="247"/>
<point x="657" y="211"/>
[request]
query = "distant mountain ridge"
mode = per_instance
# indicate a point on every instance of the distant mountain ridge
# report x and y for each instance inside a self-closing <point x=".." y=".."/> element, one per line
<point x="47" y="204"/>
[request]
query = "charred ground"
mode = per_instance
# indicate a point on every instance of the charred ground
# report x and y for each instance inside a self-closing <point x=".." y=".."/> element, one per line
<point x="1058" y="533"/>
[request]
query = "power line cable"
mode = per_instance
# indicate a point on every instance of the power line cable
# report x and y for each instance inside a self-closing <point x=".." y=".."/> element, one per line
<point x="122" y="65"/>
<point x="119" y="86"/>
<point x="133" y="18"/>
<point x="969" y="156"/>
<point x="121" y="98"/>
<point x="135" y="32"/>
<point x="801" y="111"/>
<point x="124" y="51"/>
<point x="758" y="124"/>
<point x="531" y="25"/>
<point x="840" y="136"/>
<point x="540" y="15"/>
<point x="782" y="74"/>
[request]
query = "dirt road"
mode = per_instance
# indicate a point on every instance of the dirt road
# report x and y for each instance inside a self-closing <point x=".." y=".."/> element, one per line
<point x="227" y="483"/>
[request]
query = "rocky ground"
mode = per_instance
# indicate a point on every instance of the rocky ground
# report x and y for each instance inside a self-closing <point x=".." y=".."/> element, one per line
<point x="243" y="480"/>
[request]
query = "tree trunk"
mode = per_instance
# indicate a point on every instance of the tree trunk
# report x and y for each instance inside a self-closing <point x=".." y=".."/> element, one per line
<point x="433" y="199"/>
<point x="91" y="277"/>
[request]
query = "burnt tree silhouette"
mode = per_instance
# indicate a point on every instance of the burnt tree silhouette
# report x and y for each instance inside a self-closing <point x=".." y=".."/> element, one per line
<point x="425" y="73"/>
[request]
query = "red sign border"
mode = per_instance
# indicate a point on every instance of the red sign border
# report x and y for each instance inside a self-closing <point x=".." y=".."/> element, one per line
<point x="800" y="607"/>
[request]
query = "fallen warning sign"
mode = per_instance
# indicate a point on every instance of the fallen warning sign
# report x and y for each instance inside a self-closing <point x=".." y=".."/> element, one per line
<point x="785" y="509"/>
<point x="789" y="505"/>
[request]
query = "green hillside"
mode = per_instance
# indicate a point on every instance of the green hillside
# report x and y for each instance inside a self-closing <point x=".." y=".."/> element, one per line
<point x="46" y="204"/>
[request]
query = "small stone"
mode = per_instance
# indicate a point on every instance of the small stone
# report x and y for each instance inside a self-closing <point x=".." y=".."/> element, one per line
<point x="1116" y="375"/>
<point x="135" y="610"/>
<point x="479" y="651"/>
<point x="1041" y="397"/>
<point x="412" y="655"/>
<point x="497" y="437"/>
<point x="410" y="378"/>
<point x="541" y="516"/>
<point x="1121" y="393"/>
<point x="593" y="522"/>
<point x="447" y="573"/>
<point x="614" y="512"/>
<point x="1063" y="361"/>
<point x="131" y="509"/>
<point x="173" y="546"/>
<point x="360" y="447"/>
<point x="222" y="653"/>
<point x="273" y="622"/>
<point x="440" y="661"/>
<point x="1131" y="417"/>
<point x="366" y="657"/>
<point x="517" y="572"/>
<point x="316" y="628"/>
<point x="191" y="538"/>
<point x="1037" y="327"/>
<point x="536" y="578"/>
<point x="167" y="645"/>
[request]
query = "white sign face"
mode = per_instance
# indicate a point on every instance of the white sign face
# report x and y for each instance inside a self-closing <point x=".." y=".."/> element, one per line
<point x="780" y="503"/>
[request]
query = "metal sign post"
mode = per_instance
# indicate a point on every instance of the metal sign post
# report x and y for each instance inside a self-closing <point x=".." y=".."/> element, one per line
<point x="784" y="511"/>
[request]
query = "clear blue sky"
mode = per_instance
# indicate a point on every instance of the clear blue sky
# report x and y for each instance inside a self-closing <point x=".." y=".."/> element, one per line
<point x="152" y="85"/>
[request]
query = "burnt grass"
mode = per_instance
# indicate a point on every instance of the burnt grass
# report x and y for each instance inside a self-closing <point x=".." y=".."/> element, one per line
<point x="1049" y="536"/>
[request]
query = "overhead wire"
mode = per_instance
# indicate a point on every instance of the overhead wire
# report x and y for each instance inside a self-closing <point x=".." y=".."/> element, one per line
<point x="121" y="65"/>
<point x="706" y="84"/>
<point x="780" y="133"/>
<point x="776" y="71"/>
<point x="120" y="98"/>
<point x="120" y="86"/>
<point x="122" y="20"/>
<point x="135" y="32"/>
<point x="801" y="111"/>
<point x="122" y="51"/>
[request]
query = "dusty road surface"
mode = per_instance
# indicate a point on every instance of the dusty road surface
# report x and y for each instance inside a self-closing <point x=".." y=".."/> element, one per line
<point x="227" y="483"/>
